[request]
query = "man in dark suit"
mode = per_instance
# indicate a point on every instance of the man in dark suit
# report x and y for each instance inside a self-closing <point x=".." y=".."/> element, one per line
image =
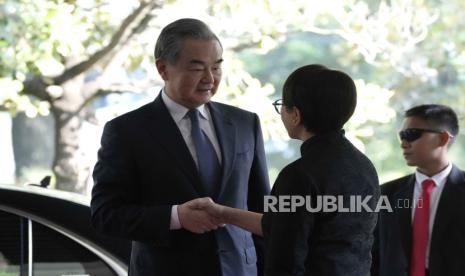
<point x="424" y="234"/>
<point x="182" y="146"/>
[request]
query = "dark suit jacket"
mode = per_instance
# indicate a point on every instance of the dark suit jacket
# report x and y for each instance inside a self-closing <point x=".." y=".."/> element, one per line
<point x="323" y="243"/>
<point x="144" y="167"/>
<point x="391" y="252"/>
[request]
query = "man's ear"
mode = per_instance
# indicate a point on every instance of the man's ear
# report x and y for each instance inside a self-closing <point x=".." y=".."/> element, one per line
<point x="445" y="138"/>
<point x="162" y="68"/>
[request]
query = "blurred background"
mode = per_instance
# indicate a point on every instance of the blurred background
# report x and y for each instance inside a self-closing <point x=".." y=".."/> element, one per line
<point x="67" y="67"/>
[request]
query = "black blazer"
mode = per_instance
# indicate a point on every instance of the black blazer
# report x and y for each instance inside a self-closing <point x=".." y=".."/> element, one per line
<point x="323" y="243"/>
<point x="144" y="167"/>
<point x="391" y="251"/>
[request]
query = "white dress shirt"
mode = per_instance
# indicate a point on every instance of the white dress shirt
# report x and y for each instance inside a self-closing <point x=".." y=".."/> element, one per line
<point x="439" y="181"/>
<point x="179" y="114"/>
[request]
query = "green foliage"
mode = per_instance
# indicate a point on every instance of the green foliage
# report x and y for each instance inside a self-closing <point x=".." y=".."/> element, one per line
<point x="402" y="53"/>
<point x="406" y="52"/>
<point x="43" y="38"/>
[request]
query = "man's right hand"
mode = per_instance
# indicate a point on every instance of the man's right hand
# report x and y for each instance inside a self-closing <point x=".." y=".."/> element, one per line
<point x="195" y="219"/>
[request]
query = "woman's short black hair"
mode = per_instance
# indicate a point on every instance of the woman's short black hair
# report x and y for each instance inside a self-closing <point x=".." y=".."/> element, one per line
<point x="325" y="98"/>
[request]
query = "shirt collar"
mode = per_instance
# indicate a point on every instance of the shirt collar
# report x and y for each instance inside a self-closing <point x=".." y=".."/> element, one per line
<point x="178" y="111"/>
<point x="439" y="178"/>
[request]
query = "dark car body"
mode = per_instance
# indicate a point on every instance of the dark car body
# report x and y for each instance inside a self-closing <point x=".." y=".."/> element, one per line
<point x="48" y="232"/>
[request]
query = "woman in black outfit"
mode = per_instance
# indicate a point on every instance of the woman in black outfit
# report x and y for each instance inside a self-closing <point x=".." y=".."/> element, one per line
<point x="316" y="103"/>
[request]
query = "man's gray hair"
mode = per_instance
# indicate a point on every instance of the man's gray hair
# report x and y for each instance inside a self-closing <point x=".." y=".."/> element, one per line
<point x="169" y="43"/>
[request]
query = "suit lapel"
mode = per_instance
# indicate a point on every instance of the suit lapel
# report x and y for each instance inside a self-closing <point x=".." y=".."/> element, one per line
<point x="164" y="129"/>
<point x="405" y="197"/>
<point x="226" y="133"/>
<point x="449" y="200"/>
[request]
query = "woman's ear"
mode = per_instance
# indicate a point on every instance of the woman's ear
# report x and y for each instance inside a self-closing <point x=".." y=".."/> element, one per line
<point x="296" y="116"/>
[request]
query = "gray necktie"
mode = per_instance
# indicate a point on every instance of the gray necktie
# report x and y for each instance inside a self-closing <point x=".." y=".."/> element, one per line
<point x="208" y="164"/>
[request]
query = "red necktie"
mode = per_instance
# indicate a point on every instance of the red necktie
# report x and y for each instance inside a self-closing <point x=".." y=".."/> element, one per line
<point x="420" y="230"/>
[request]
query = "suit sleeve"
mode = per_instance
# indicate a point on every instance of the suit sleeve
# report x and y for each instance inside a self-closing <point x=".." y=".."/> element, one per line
<point x="259" y="186"/>
<point x="287" y="233"/>
<point x="375" y="251"/>
<point x="114" y="206"/>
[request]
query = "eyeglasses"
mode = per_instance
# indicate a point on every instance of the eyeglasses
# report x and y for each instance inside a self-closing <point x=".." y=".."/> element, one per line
<point x="412" y="134"/>
<point x="277" y="105"/>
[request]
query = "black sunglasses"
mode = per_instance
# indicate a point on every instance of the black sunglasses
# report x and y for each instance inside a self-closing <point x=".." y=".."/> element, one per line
<point x="412" y="134"/>
<point x="277" y="105"/>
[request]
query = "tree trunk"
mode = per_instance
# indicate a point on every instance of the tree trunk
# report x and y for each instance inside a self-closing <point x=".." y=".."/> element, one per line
<point x="68" y="165"/>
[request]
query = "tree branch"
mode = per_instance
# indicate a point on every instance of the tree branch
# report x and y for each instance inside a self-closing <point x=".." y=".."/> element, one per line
<point x="122" y="34"/>
<point x="131" y="87"/>
<point x="37" y="87"/>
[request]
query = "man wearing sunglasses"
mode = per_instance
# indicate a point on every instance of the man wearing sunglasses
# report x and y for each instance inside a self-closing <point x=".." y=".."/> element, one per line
<point x="424" y="235"/>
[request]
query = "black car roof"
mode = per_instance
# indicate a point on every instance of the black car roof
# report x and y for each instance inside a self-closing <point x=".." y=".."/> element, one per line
<point x="67" y="212"/>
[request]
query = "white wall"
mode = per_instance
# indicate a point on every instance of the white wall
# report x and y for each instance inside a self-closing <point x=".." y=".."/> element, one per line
<point x="7" y="162"/>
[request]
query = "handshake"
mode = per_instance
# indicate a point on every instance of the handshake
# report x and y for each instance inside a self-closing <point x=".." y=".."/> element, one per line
<point x="202" y="215"/>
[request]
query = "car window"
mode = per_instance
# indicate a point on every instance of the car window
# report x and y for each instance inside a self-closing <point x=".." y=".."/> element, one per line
<point x="13" y="244"/>
<point x="56" y="254"/>
<point x="53" y="252"/>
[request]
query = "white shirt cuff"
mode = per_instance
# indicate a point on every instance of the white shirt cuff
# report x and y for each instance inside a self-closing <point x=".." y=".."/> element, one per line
<point x="174" y="222"/>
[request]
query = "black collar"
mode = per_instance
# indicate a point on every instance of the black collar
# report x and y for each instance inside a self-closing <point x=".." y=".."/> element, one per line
<point x="318" y="140"/>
